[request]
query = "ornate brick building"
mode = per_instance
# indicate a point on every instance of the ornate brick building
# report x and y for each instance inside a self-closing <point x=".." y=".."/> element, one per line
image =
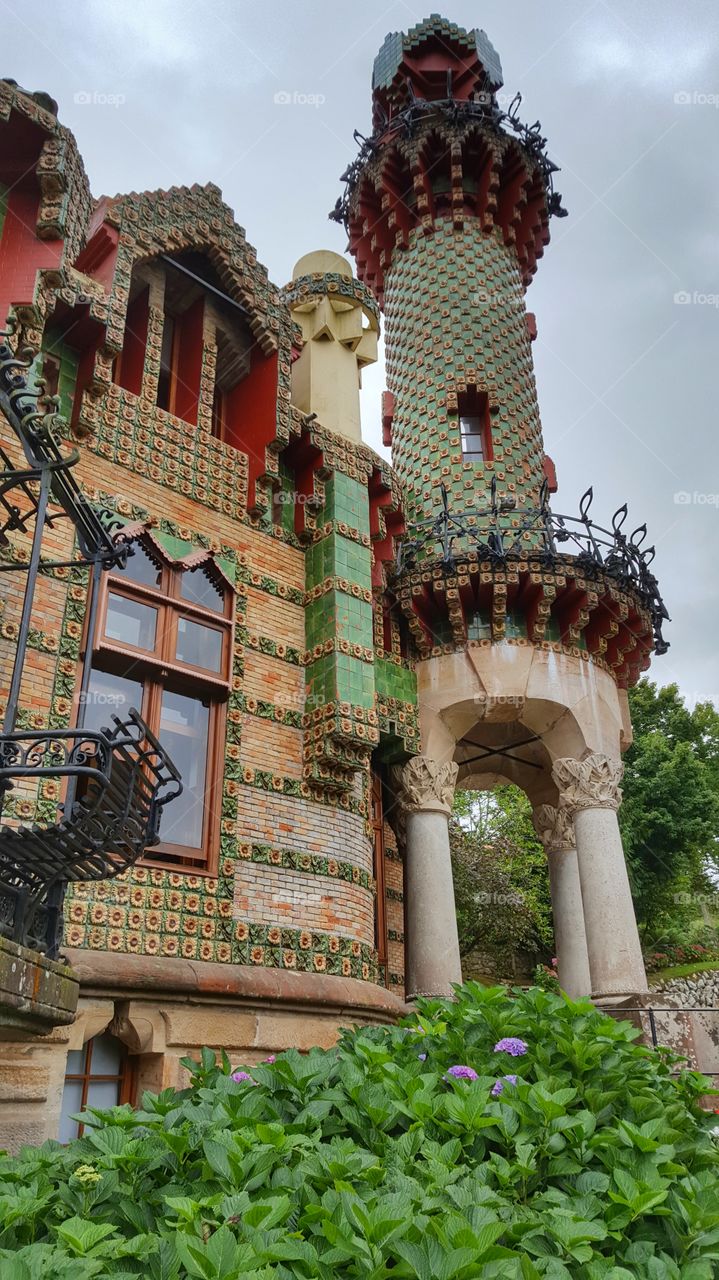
<point x="318" y="697"/>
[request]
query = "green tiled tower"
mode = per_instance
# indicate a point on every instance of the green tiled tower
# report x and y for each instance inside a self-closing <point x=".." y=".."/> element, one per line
<point x="447" y="212"/>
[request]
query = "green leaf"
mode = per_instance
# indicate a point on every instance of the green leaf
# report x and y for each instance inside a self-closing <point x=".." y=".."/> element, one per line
<point x="81" y="1236"/>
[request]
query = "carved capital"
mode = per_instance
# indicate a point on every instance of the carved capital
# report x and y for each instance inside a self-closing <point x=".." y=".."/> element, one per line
<point x="554" y="828"/>
<point x="588" y="784"/>
<point x="425" y="784"/>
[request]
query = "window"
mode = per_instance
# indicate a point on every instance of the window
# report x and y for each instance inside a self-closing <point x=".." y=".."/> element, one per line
<point x="380" y="915"/>
<point x="98" y="1075"/>
<point x="474" y="427"/>
<point x="163" y="645"/>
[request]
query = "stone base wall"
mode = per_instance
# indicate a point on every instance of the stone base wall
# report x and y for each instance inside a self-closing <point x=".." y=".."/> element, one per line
<point x="164" y="1010"/>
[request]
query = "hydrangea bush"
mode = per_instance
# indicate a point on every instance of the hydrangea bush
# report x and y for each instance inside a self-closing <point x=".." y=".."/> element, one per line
<point x="512" y="1135"/>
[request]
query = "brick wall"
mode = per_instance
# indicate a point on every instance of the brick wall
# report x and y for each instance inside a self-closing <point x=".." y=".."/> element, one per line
<point x="278" y="896"/>
<point x="296" y="823"/>
<point x="275" y="747"/>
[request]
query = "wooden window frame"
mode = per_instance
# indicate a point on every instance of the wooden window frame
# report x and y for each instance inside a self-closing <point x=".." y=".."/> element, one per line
<point x="126" y="1077"/>
<point x="158" y="670"/>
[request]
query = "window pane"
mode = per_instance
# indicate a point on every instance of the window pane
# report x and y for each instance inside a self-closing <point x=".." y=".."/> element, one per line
<point x="75" y="1062"/>
<point x="130" y="622"/>
<point x="198" y="645"/>
<point x="140" y="568"/>
<point x="184" y="724"/>
<point x="70" y="1105"/>
<point x="106" y="1056"/>
<point x="110" y="695"/>
<point x="197" y="587"/>
<point x="103" y="1093"/>
<point x="470" y="424"/>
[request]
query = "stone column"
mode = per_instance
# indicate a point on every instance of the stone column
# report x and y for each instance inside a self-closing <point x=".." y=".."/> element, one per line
<point x="589" y="790"/>
<point x="425" y="789"/>
<point x="556" y="832"/>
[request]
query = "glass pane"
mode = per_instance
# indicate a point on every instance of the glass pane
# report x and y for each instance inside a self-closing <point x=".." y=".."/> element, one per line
<point x="109" y="695"/>
<point x="198" y="645"/>
<point x="75" y="1062"/>
<point x="70" y="1105"/>
<point x="197" y="587"/>
<point x="130" y="622"/>
<point x="470" y="425"/>
<point x="106" y="1056"/>
<point x="184" y="724"/>
<point x="140" y="568"/>
<point x="103" y="1093"/>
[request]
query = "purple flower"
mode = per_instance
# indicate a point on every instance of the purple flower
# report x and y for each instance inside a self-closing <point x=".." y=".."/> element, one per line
<point x="498" y="1087"/>
<point x="271" y="1058"/>
<point x="238" y="1076"/>
<point x="460" y="1072"/>
<point x="511" y="1045"/>
<point x="422" y="1057"/>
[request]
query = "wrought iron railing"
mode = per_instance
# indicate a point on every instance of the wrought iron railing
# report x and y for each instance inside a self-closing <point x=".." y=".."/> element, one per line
<point x="502" y="532"/>
<point x="484" y="109"/>
<point x="118" y="781"/>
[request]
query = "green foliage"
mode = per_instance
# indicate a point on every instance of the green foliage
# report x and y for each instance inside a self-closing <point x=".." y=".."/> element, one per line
<point x="670" y="812"/>
<point x="369" y="1161"/>
<point x="499" y="867"/>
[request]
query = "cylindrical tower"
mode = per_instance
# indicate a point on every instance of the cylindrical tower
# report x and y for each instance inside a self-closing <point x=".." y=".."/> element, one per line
<point x="447" y="212"/>
<point x="525" y="627"/>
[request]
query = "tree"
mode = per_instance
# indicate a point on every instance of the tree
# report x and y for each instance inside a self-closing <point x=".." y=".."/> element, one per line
<point x="670" y="814"/>
<point x="500" y="877"/>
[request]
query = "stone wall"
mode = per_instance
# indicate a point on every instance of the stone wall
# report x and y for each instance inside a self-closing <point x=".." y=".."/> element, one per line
<point x="694" y="1033"/>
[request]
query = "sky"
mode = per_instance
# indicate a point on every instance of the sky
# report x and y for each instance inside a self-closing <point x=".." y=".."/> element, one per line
<point x="263" y="99"/>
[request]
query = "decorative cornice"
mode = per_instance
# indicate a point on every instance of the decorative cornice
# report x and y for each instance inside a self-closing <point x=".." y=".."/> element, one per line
<point x="425" y="785"/>
<point x="592" y="783"/>
<point x="554" y="828"/>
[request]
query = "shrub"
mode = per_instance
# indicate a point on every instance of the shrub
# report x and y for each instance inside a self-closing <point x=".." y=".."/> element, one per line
<point x="568" y="1151"/>
<point x="668" y="956"/>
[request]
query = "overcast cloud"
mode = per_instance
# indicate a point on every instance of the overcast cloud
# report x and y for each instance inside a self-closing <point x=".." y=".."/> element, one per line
<point x="162" y="93"/>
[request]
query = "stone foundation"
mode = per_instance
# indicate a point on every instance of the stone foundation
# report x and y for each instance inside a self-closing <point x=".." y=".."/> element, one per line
<point x="163" y="1010"/>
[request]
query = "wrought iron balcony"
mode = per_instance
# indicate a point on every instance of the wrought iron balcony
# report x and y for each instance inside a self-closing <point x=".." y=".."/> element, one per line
<point x="503" y="533"/>
<point x="118" y="780"/>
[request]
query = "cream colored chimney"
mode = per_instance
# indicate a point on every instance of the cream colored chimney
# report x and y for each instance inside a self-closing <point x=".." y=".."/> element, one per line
<point x="339" y="319"/>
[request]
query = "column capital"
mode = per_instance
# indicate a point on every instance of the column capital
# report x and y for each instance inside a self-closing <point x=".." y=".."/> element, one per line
<point x="426" y="785"/>
<point x="554" y="828"/>
<point x="592" y="783"/>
